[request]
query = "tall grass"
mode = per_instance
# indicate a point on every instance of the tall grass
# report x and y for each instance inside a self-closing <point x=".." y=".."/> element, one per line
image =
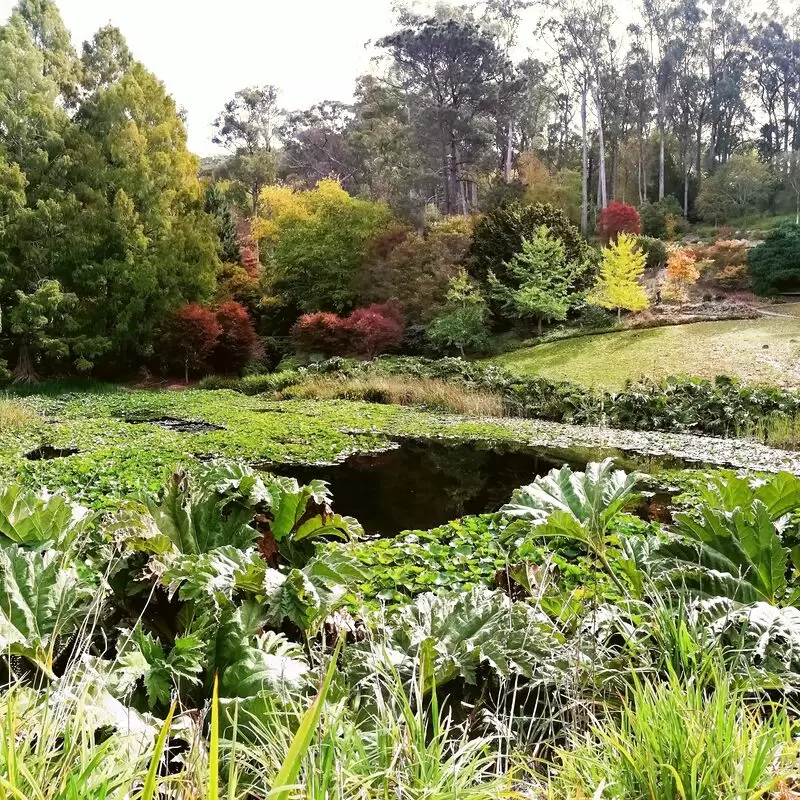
<point x="436" y="395"/>
<point x="74" y="742"/>
<point x="15" y="415"/>
<point x="680" y="738"/>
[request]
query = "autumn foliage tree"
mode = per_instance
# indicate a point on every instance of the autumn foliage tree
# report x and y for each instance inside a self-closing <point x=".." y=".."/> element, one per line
<point x="374" y="329"/>
<point x="617" y="218"/>
<point x="237" y="340"/>
<point x="618" y="285"/>
<point x="365" y="332"/>
<point x="682" y="272"/>
<point x="191" y="337"/>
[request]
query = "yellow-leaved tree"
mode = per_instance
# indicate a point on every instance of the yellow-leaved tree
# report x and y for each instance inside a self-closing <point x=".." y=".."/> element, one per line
<point x="618" y="284"/>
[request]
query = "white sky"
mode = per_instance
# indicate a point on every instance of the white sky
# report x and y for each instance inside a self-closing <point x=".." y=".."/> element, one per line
<point x="204" y="50"/>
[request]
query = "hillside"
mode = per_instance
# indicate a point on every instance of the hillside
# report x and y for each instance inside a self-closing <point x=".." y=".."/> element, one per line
<point x="765" y="350"/>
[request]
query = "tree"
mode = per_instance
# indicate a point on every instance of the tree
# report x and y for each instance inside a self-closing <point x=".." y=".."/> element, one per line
<point x="411" y="269"/>
<point x="245" y="127"/>
<point x="42" y="322"/>
<point x="682" y="272"/>
<point x="455" y="70"/>
<point x="737" y="188"/>
<point x="191" y="337"/>
<point x="105" y="59"/>
<point x="618" y="218"/>
<point x="542" y="278"/>
<point x="237" y="340"/>
<point x="50" y="36"/>
<point x="618" y="283"/>
<point x="317" y="240"/>
<point x="463" y="325"/>
<point x="774" y="265"/>
<point x="217" y="206"/>
<point x="790" y="171"/>
<point x="654" y="216"/>
<point x="374" y="329"/>
<point x="364" y="333"/>
<point x="499" y="235"/>
<point x="582" y="38"/>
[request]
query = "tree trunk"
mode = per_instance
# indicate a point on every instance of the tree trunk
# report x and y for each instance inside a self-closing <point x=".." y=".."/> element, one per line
<point x="453" y="174"/>
<point x="24" y="371"/>
<point x="640" y="170"/>
<point x="619" y="313"/>
<point x="661" y="157"/>
<point x="584" y="168"/>
<point x="509" y="152"/>
<point x="539" y="325"/>
<point x="602" y="190"/>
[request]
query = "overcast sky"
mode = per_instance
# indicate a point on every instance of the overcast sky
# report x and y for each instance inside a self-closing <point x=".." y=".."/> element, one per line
<point x="204" y="50"/>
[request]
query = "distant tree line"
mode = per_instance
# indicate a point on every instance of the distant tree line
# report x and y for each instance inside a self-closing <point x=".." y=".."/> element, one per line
<point x="455" y="115"/>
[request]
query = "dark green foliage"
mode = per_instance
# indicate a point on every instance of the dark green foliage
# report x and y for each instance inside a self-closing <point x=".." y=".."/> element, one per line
<point x="774" y="265"/>
<point x="218" y="208"/>
<point x="654" y="216"/>
<point x="655" y="251"/>
<point x="498" y="238"/>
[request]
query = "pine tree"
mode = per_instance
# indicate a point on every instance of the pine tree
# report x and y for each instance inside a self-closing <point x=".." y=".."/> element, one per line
<point x="618" y="284"/>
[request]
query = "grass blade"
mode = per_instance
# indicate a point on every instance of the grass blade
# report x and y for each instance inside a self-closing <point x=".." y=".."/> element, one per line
<point x="290" y="768"/>
<point x="149" y="789"/>
<point x="213" y="749"/>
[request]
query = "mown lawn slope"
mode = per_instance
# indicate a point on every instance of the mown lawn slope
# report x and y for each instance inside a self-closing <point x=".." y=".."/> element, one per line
<point x="765" y="350"/>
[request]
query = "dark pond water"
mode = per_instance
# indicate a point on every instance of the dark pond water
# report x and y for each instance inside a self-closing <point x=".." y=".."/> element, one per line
<point x="45" y="452"/>
<point x="425" y="483"/>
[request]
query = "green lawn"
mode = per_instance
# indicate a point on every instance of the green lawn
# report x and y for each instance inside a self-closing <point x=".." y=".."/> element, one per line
<point x="765" y="350"/>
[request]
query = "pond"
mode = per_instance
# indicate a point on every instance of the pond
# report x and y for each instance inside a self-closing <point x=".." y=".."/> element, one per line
<point x="423" y="483"/>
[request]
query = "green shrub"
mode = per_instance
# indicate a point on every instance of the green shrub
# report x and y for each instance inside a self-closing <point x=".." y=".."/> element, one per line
<point x="655" y="252"/>
<point x="774" y="265"/>
<point x="654" y="216"/>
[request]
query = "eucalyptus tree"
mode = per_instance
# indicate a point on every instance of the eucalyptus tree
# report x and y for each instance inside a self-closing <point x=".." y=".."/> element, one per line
<point x="245" y="127"/>
<point x="580" y="33"/>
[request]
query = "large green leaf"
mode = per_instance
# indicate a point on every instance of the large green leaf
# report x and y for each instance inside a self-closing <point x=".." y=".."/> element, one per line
<point x="759" y="635"/>
<point x="40" y="521"/>
<point x="726" y="491"/>
<point x="42" y="597"/>
<point x="143" y="657"/>
<point x="195" y="522"/>
<point x="300" y="512"/>
<point x="593" y="497"/>
<point x="738" y="554"/>
<point x="462" y="632"/>
<point x="215" y="575"/>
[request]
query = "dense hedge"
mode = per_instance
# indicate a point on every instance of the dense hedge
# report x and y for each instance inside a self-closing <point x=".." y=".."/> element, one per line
<point x="722" y="407"/>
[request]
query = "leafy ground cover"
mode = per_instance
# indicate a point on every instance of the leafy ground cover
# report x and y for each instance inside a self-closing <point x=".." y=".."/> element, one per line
<point x="765" y="350"/>
<point x="120" y="452"/>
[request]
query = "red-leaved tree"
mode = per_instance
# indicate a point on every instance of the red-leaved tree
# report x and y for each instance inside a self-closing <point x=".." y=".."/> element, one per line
<point x="375" y="329"/>
<point x="190" y="339"/>
<point x="238" y="341"/>
<point x="321" y="332"/>
<point x="364" y="333"/>
<point x="617" y="218"/>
